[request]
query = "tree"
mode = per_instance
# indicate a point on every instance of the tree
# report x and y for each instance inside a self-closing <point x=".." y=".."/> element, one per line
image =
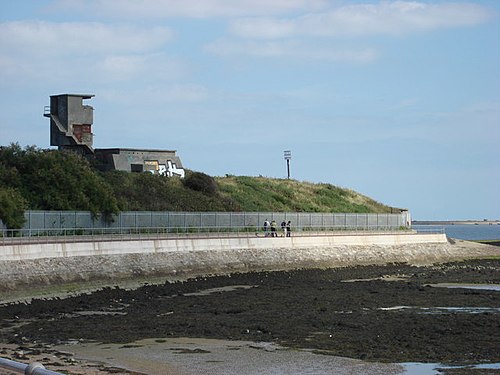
<point x="12" y="206"/>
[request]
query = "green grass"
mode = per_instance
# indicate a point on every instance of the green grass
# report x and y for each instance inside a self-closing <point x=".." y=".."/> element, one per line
<point x="270" y="194"/>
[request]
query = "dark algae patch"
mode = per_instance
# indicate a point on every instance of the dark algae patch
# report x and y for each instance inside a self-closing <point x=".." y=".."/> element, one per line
<point x="376" y="313"/>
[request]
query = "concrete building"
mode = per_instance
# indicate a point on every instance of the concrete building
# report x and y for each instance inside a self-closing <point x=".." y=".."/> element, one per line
<point x="71" y="129"/>
<point x="71" y="122"/>
<point x="162" y="162"/>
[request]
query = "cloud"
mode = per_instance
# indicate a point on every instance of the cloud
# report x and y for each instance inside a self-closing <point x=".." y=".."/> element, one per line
<point x="158" y="95"/>
<point x="79" y="38"/>
<point x="309" y="36"/>
<point x="295" y="49"/>
<point x="384" y="18"/>
<point x="72" y="51"/>
<point x="186" y="8"/>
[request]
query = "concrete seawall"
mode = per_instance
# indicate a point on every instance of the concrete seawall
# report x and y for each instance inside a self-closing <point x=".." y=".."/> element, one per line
<point x="28" y="265"/>
<point x="30" y="251"/>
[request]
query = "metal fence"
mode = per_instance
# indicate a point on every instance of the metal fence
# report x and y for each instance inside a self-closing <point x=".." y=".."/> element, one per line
<point x="40" y="222"/>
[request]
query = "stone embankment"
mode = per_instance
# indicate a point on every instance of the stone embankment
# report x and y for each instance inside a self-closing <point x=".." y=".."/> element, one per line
<point x="28" y="265"/>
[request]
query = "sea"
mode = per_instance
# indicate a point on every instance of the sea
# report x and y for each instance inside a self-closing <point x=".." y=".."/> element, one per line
<point x="464" y="231"/>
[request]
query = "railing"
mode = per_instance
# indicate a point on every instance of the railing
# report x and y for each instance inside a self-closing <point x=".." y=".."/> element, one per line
<point x="154" y="233"/>
<point x="34" y="368"/>
<point x="429" y="229"/>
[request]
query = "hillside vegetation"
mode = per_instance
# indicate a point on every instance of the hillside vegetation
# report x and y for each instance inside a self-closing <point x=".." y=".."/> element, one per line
<point x="271" y="194"/>
<point x="38" y="179"/>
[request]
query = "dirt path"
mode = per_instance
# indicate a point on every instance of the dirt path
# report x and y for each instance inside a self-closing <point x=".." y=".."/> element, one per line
<point x="376" y="313"/>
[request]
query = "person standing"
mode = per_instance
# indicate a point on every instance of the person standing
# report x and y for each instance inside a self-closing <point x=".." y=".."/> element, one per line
<point x="273" y="229"/>
<point x="283" y="227"/>
<point x="266" y="228"/>
<point x="289" y="229"/>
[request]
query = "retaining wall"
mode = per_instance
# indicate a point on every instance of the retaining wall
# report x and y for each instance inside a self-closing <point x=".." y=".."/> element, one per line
<point x="28" y="251"/>
<point x="29" y="265"/>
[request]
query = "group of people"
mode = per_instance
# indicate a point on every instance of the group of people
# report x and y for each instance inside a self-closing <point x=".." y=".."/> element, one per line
<point x="270" y="228"/>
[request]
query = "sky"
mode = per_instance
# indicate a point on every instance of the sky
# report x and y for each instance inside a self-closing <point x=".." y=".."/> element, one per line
<point x="397" y="100"/>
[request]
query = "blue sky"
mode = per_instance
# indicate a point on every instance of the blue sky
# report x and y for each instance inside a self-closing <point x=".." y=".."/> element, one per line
<point x="398" y="100"/>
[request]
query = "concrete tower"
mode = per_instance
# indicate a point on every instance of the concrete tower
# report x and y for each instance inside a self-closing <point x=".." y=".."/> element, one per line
<point x="71" y="122"/>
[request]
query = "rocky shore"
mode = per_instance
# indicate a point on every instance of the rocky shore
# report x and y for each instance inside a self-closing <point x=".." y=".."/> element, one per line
<point x="381" y="313"/>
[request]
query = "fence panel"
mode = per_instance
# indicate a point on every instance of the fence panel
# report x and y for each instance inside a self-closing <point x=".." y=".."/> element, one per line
<point x="316" y="220"/>
<point x="127" y="219"/>
<point x="339" y="220"/>
<point x="143" y="219"/>
<point x="159" y="219"/>
<point x="83" y="220"/>
<point x="192" y="220"/>
<point x="362" y="221"/>
<point x="350" y="221"/>
<point x="372" y="221"/>
<point x="238" y="220"/>
<point x="177" y="219"/>
<point x="394" y="221"/>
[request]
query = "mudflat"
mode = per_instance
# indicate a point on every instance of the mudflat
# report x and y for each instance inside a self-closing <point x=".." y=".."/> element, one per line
<point x="393" y="313"/>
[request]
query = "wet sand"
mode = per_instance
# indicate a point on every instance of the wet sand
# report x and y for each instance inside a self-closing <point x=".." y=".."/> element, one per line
<point x="380" y="314"/>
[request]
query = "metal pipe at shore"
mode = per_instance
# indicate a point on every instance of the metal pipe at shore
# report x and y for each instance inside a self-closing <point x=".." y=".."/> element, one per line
<point x="34" y="368"/>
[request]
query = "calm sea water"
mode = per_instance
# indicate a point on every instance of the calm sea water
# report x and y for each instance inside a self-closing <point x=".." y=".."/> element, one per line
<point x="466" y="231"/>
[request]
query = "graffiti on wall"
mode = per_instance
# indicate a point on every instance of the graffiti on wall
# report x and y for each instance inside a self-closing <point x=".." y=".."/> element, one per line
<point x="170" y="169"/>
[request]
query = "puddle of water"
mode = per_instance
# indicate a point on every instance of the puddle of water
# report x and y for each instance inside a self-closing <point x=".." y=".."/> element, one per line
<point x="413" y="368"/>
<point x="189" y="356"/>
<point x="91" y="313"/>
<point x="383" y="278"/>
<point x="494" y="287"/>
<point x="222" y="289"/>
<point x="444" y="310"/>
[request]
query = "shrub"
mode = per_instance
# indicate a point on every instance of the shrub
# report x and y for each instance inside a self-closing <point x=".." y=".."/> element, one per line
<point x="201" y="182"/>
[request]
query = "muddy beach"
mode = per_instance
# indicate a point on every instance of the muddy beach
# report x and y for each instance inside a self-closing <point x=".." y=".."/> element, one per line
<point x="390" y="314"/>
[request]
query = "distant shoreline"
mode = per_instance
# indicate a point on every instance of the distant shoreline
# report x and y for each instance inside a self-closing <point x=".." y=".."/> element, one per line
<point x="455" y="222"/>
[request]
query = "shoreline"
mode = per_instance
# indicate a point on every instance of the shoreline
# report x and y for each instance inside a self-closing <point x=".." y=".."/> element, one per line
<point x="455" y="222"/>
<point x="300" y="305"/>
<point x="23" y="281"/>
<point x="369" y="313"/>
<point x="310" y="309"/>
<point x="23" y="267"/>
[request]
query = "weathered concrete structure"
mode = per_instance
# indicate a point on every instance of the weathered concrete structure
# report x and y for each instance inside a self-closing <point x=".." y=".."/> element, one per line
<point x="25" y="251"/>
<point x="71" y="122"/>
<point x="111" y="262"/>
<point x="71" y="128"/>
<point x="162" y="162"/>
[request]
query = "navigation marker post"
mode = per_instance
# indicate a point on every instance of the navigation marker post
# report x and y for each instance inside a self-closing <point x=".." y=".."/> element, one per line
<point x="288" y="156"/>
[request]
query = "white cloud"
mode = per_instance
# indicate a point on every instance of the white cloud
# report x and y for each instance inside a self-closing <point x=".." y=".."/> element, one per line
<point x="295" y="49"/>
<point x="186" y="8"/>
<point x="82" y="51"/>
<point x="157" y="95"/>
<point x="79" y="38"/>
<point x="140" y="67"/>
<point x="384" y="18"/>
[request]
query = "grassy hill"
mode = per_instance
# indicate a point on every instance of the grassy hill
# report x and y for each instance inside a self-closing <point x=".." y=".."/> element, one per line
<point x="271" y="194"/>
<point x="33" y="178"/>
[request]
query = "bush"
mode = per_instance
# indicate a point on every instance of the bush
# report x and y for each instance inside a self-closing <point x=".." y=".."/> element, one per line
<point x="55" y="180"/>
<point x="12" y="206"/>
<point x="201" y="182"/>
